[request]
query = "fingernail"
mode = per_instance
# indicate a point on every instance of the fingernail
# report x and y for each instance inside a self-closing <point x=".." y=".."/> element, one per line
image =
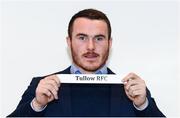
<point x="125" y="82"/>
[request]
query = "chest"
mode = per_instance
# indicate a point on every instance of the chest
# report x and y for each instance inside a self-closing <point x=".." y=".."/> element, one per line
<point x="90" y="100"/>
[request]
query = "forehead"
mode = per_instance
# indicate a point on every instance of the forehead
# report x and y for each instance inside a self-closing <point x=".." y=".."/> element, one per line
<point x="90" y="26"/>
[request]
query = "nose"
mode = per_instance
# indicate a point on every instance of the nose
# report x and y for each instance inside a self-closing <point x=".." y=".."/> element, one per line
<point x="91" y="45"/>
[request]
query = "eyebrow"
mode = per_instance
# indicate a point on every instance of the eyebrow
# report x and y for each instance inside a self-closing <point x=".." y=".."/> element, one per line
<point x="82" y="34"/>
<point x="99" y="35"/>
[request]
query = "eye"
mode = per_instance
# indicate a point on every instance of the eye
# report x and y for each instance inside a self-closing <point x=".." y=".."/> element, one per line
<point x="99" y="38"/>
<point x="82" y="38"/>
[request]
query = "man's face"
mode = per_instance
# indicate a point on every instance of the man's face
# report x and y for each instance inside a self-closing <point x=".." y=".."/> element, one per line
<point x="89" y="44"/>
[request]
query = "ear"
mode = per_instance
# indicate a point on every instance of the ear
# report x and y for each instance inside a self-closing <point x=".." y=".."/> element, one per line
<point x="68" y="40"/>
<point x="110" y="42"/>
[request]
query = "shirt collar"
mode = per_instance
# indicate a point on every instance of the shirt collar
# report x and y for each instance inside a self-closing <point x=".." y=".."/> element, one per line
<point x="75" y="70"/>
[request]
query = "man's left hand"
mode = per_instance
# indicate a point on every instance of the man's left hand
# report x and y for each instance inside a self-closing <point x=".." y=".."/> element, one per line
<point x="135" y="89"/>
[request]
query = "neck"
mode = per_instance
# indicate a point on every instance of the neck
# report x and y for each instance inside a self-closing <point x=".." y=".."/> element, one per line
<point x="102" y="69"/>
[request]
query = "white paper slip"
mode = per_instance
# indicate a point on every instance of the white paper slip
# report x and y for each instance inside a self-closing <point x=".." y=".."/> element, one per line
<point x="90" y="78"/>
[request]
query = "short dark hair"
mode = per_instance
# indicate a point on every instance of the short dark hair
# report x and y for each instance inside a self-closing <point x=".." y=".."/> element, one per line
<point x="90" y="14"/>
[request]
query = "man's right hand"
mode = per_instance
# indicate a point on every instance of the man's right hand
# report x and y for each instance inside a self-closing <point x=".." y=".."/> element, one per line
<point x="46" y="91"/>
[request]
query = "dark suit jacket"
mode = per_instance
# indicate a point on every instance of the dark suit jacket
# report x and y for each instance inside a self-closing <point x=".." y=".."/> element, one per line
<point x="119" y="104"/>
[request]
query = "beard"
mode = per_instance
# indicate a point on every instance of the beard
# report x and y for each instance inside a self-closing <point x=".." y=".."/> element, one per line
<point x="91" y="66"/>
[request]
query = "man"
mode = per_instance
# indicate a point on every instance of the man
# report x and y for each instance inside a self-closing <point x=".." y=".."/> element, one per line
<point x="89" y="38"/>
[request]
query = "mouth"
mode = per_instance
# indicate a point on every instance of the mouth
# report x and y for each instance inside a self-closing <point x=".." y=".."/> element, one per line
<point x="91" y="56"/>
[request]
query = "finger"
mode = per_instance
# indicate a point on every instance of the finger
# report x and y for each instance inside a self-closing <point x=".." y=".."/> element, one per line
<point x="54" y="78"/>
<point x="133" y="88"/>
<point x="52" y="89"/>
<point x="137" y="92"/>
<point x="44" y="91"/>
<point x="49" y="94"/>
<point x="141" y="89"/>
<point x="47" y="83"/>
<point x="130" y="76"/>
<point x="53" y="83"/>
<point x="57" y="80"/>
<point x="131" y="83"/>
<point x="131" y="92"/>
<point x="126" y="78"/>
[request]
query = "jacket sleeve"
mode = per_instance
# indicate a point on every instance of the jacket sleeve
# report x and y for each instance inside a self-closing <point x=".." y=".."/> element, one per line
<point x="24" y="108"/>
<point x="151" y="110"/>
